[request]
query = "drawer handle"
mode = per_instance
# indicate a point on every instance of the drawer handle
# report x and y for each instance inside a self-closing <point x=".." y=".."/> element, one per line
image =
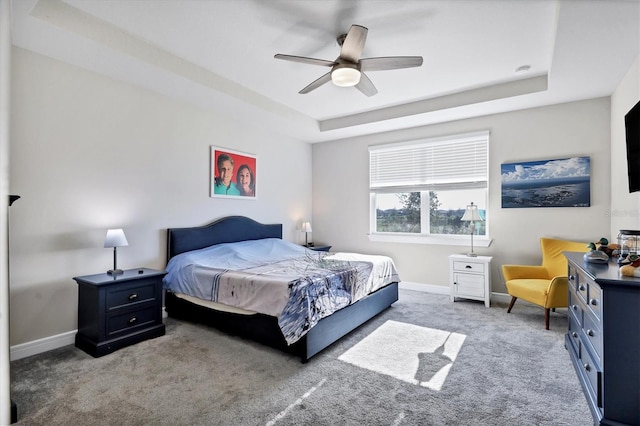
<point x="572" y="277"/>
<point x="582" y="287"/>
<point x="133" y="320"/>
<point x="133" y="296"/>
<point x="594" y="302"/>
<point x="587" y="367"/>
<point x="590" y="333"/>
<point x="574" y="334"/>
<point x="468" y="266"/>
<point x="574" y="307"/>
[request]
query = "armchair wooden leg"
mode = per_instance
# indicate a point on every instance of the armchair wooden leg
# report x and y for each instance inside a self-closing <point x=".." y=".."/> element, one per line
<point x="546" y="318"/>
<point x="513" y="300"/>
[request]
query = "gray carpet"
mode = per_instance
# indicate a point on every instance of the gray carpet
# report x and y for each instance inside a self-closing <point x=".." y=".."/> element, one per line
<point x="508" y="371"/>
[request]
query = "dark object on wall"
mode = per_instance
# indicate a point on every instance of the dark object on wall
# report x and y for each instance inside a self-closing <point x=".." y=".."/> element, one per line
<point x="14" y="407"/>
<point x="632" y="129"/>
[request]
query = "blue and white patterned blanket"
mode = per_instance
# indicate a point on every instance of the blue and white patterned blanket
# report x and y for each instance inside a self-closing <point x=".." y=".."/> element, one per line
<point x="278" y="278"/>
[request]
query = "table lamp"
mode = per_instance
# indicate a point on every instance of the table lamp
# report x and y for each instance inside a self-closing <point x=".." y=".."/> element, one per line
<point x="115" y="238"/>
<point x="471" y="214"/>
<point x="306" y="228"/>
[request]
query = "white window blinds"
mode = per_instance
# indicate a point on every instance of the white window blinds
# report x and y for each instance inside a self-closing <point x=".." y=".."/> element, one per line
<point x="441" y="163"/>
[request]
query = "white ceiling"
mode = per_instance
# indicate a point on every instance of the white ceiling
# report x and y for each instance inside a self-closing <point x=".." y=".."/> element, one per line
<point x="219" y="54"/>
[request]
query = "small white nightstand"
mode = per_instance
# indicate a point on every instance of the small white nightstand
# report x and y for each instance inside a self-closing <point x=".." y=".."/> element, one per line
<point x="470" y="277"/>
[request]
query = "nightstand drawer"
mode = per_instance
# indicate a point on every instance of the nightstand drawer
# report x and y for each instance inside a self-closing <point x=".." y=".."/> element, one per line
<point x="468" y="267"/>
<point x="126" y="295"/>
<point x="128" y="322"/>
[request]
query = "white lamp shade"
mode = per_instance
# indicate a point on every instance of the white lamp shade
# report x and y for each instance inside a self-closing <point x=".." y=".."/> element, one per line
<point x="345" y="77"/>
<point x="471" y="214"/>
<point x="115" y="238"/>
<point x="306" y="227"/>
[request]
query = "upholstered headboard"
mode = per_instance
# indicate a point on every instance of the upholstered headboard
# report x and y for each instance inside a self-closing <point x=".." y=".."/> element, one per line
<point x="229" y="229"/>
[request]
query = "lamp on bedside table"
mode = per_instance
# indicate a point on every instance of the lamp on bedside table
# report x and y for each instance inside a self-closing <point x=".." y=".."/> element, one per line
<point x="471" y="215"/>
<point x="115" y="238"/>
<point x="306" y="228"/>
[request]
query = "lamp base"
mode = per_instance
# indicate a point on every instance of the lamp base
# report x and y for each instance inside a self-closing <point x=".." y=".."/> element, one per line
<point x="472" y="254"/>
<point x="115" y="271"/>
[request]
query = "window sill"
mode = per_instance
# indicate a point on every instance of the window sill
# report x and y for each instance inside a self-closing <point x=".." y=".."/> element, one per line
<point x="454" y="240"/>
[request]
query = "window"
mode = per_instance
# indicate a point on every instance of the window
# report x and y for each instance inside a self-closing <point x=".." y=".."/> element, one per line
<point x="422" y="188"/>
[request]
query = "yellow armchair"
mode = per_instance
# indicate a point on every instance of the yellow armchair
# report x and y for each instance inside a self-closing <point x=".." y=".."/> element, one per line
<point x="545" y="285"/>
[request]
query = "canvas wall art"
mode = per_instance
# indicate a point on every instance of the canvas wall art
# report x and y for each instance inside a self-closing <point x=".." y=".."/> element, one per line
<point x="233" y="174"/>
<point x="562" y="182"/>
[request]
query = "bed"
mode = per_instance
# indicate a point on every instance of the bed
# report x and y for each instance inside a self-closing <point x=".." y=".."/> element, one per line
<point x="266" y="327"/>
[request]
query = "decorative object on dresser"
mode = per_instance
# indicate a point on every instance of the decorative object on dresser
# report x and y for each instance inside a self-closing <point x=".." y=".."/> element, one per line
<point x="115" y="311"/>
<point x="603" y="339"/>
<point x="543" y="285"/>
<point x="470" y="278"/>
<point x="115" y="238"/>
<point x="628" y="244"/>
<point x="273" y="315"/>
<point x="594" y="255"/>
<point x="472" y="215"/>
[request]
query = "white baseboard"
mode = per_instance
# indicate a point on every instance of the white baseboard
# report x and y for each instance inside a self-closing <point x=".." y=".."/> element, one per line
<point x="428" y="288"/>
<point x="440" y="289"/>
<point x="45" y="344"/>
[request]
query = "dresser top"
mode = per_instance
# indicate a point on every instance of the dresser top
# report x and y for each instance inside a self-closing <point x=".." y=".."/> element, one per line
<point x="602" y="273"/>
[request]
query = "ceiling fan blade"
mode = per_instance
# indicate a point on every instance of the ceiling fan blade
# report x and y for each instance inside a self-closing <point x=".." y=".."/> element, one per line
<point x="354" y="43"/>
<point x="317" y="83"/>
<point x="312" y="61"/>
<point x="390" y="63"/>
<point x="366" y="86"/>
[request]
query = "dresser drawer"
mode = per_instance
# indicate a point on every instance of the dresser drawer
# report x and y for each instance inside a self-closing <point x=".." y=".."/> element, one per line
<point x="582" y="288"/>
<point x="132" y="294"/>
<point x="591" y="370"/>
<point x="468" y="267"/>
<point x="128" y="322"/>
<point x="595" y="300"/>
<point x="574" y="333"/>
<point x="593" y="336"/>
<point x="575" y="307"/>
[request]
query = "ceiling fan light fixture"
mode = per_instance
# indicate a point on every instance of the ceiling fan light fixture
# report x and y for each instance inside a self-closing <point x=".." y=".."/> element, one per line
<point x="345" y="76"/>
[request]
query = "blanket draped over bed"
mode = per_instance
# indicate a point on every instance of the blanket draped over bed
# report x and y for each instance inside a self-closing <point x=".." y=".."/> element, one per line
<point x="278" y="278"/>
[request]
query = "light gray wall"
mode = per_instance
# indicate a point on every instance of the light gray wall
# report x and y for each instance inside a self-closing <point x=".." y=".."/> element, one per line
<point x="625" y="207"/>
<point x="89" y="153"/>
<point x="341" y="198"/>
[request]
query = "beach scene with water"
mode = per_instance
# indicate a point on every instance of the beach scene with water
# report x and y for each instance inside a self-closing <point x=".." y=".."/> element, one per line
<point x="547" y="183"/>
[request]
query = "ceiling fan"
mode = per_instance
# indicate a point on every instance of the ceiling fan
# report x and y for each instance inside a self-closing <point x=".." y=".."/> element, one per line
<point x="348" y="69"/>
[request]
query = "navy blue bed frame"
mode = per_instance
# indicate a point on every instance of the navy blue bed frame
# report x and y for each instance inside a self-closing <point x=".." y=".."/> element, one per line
<point x="263" y="328"/>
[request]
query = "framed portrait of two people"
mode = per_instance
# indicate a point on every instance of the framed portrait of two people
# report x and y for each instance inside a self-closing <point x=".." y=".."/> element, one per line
<point x="233" y="174"/>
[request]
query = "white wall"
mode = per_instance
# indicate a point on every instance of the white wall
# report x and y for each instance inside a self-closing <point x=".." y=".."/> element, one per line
<point x="625" y="207"/>
<point x="341" y="198"/>
<point x="89" y="153"/>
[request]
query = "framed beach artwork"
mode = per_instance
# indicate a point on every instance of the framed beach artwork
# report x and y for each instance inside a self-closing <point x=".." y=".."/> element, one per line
<point x="233" y="174"/>
<point x="562" y="182"/>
